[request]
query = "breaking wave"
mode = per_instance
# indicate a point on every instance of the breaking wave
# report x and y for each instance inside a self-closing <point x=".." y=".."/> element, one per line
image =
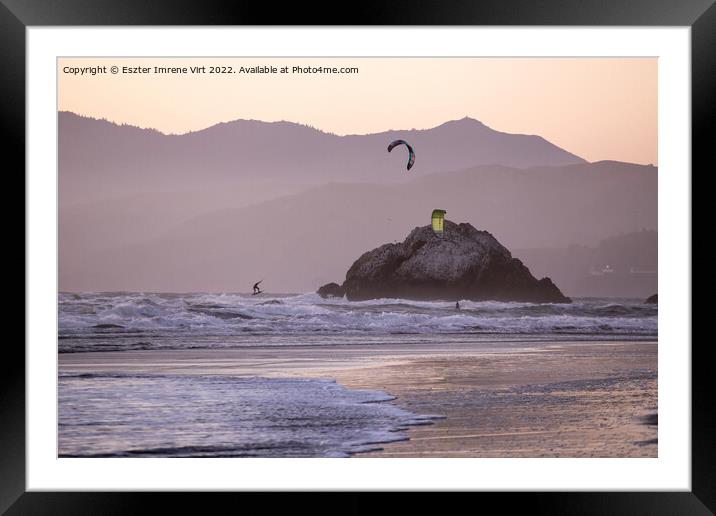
<point x="135" y="315"/>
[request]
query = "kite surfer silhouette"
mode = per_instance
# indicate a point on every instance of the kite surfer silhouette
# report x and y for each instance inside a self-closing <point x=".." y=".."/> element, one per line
<point x="257" y="290"/>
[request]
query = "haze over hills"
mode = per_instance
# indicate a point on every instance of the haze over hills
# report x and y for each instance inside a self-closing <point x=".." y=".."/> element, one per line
<point x="216" y="209"/>
<point x="245" y="161"/>
<point x="624" y="265"/>
<point x="301" y="241"/>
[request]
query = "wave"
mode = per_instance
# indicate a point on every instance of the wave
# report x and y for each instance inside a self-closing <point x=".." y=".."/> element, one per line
<point x="130" y="314"/>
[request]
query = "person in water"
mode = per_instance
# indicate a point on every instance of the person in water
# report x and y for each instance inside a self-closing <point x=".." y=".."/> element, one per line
<point x="457" y="305"/>
<point x="257" y="290"/>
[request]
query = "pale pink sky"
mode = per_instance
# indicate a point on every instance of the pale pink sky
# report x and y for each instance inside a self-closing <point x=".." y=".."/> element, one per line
<point x="597" y="108"/>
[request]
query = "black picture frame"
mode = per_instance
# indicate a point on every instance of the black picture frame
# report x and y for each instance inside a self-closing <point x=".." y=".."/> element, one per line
<point x="17" y="15"/>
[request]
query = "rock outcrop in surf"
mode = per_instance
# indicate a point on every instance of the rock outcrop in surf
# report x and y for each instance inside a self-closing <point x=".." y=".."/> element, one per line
<point x="331" y="290"/>
<point x="462" y="264"/>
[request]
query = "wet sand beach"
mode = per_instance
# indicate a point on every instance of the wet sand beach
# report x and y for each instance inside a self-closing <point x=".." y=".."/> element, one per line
<point x="573" y="400"/>
<point x="499" y="399"/>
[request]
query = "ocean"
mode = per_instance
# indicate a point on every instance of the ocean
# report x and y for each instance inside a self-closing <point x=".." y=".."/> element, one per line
<point x="174" y="415"/>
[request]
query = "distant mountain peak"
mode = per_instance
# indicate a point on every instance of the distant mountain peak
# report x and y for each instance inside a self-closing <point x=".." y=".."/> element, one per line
<point x="465" y="121"/>
<point x="470" y="119"/>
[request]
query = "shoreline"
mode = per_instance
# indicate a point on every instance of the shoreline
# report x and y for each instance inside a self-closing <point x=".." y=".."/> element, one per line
<point x="529" y="399"/>
<point x="608" y="412"/>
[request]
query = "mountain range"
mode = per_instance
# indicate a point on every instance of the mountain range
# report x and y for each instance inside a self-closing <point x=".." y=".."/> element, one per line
<point x="99" y="160"/>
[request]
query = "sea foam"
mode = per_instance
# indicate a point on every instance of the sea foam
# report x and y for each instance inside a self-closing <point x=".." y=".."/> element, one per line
<point x="235" y="314"/>
<point x="218" y="416"/>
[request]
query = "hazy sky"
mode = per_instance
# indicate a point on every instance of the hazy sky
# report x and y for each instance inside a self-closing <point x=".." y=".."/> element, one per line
<point x="597" y="108"/>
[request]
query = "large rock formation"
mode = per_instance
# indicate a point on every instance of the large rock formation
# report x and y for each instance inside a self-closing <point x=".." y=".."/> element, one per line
<point x="653" y="300"/>
<point x="462" y="264"/>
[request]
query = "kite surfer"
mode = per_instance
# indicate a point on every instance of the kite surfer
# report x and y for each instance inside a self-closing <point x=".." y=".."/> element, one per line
<point x="257" y="290"/>
<point x="457" y="305"/>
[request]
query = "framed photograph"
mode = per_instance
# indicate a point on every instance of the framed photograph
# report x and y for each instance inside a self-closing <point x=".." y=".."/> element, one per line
<point x="442" y="251"/>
